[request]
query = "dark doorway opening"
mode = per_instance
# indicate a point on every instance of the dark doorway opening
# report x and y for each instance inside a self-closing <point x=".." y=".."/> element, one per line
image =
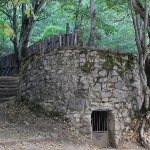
<point x="99" y="122"/>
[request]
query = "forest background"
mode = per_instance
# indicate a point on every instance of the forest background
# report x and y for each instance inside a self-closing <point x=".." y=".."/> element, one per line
<point x="114" y="27"/>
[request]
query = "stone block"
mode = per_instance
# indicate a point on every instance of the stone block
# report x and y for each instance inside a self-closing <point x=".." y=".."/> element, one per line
<point x="76" y="104"/>
<point x="103" y="73"/>
<point x="81" y="93"/>
<point x="114" y="100"/>
<point x="97" y="87"/>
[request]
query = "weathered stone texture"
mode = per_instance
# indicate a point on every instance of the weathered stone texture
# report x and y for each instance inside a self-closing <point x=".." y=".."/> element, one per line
<point x="77" y="81"/>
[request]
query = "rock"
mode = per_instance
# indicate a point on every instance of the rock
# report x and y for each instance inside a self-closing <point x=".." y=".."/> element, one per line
<point x="76" y="104"/>
<point x="54" y="135"/>
<point x="103" y="73"/>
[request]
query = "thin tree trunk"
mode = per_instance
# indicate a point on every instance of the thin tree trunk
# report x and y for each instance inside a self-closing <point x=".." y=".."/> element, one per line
<point x="93" y="23"/>
<point x="15" y="31"/>
<point x="76" y="26"/>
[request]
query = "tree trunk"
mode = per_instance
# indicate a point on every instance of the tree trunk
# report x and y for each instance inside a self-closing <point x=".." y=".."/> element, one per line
<point x="140" y="10"/>
<point x="77" y="23"/>
<point x="27" y="24"/>
<point x="93" y="23"/>
<point x="141" y="37"/>
<point x="15" y="31"/>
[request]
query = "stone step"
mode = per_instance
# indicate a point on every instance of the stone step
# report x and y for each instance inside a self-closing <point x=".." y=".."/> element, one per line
<point x="8" y="79"/>
<point x="8" y="90"/>
<point x="15" y="75"/>
<point x="7" y="95"/>
<point x="2" y="100"/>
<point x="9" y="85"/>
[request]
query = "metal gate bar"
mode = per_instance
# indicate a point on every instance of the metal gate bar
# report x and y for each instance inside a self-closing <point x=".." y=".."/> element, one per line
<point x="99" y="121"/>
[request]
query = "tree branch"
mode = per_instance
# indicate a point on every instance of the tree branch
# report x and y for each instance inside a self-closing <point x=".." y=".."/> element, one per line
<point x="77" y="14"/>
<point x="136" y="28"/>
<point x="38" y="6"/>
<point x="9" y="16"/>
<point x="4" y="2"/>
<point x="140" y="10"/>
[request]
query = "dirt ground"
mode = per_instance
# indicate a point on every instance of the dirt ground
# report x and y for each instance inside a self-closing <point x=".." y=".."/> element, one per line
<point x="23" y="129"/>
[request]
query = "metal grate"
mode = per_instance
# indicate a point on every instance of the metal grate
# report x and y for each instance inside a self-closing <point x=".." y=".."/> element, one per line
<point x="99" y="121"/>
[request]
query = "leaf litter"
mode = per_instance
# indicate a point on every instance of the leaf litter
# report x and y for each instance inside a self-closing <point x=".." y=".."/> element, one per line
<point x="23" y="129"/>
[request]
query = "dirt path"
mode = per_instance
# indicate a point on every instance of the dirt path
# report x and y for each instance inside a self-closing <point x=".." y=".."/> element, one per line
<point x="22" y="129"/>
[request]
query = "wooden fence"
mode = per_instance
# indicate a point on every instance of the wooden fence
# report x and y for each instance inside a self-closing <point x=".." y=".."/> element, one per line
<point x="56" y="42"/>
<point x="8" y="65"/>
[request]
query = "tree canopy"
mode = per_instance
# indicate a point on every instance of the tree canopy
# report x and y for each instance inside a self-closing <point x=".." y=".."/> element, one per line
<point x="114" y="27"/>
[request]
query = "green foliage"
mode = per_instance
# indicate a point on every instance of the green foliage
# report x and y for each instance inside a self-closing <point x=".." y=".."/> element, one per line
<point x="6" y="23"/>
<point x="119" y="6"/>
<point x="5" y="45"/>
<point x="49" y="31"/>
<point x="123" y="39"/>
<point x="53" y="30"/>
<point x="6" y="29"/>
<point x="114" y="27"/>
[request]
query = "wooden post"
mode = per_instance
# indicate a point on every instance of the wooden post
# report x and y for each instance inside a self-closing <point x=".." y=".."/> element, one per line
<point x="67" y="32"/>
<point x="60" y="42"/>
<point x="40" y="46"/>
<point x="67" y="28"/>
<point x="75" y="37"/>
<point x="72" y="39"/>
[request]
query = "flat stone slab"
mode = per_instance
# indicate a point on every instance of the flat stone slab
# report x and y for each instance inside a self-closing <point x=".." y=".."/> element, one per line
<point x="54" y="135"/>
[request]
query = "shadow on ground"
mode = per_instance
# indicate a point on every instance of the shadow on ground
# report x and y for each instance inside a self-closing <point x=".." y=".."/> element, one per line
<point x="23" y="129"/>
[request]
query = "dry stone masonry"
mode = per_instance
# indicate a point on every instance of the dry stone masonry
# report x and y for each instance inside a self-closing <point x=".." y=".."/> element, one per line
<point x="74" y="81"/>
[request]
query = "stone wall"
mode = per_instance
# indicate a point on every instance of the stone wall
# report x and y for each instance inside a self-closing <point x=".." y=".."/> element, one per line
<point x="75" y="81"/>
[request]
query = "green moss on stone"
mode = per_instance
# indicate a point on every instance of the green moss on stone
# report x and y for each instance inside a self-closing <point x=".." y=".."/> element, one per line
<point x="112" y="60"/>
<point x="130" y="62"/>
<point x="109" y="60"/>
<point x="119" y="58"/>
<point x="83" y="52"/>
<point x="109" y="64"/>
<point x="111" y="86"/>
<point x="88" y="67"/>
<point x="132" y="80"/>
<point x="39" y="56"/>
<point x="97" y="79"/>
